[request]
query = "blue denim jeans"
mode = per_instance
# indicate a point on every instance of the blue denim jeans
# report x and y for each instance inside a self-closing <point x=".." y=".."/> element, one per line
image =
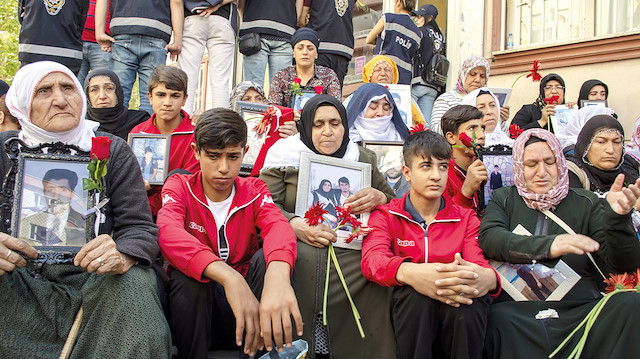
<point x="92" y="58"/>
<point x="137" y="55"/>
<point x="424" y="96"/>
<point x="276" y="54"/>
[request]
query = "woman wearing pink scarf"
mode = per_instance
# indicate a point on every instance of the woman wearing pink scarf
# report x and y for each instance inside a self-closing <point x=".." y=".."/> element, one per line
<point x="602" y="228"/>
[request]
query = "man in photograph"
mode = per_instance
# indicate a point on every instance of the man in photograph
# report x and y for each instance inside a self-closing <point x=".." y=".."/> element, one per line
<point x="394" y="178"/>
<point x="343" y="191"/>
<point x="58" y="223"/>
<point x="495" y="181"/>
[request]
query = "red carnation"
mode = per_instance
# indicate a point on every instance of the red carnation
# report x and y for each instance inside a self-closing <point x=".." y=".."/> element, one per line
<point x="466" y="140"/>
<point x="318" y="89"/>
<point x="417" y="128"/>
<point x="515" y="131"/>
<point x="552" y="99"/>
<point x="619" y="281"/>
<point x="297" y="80"/>
<point x="314" y="214"/>
<point x="354" y="235"/>
<point x="100" y="148"/>
<point x="533" y="73"/>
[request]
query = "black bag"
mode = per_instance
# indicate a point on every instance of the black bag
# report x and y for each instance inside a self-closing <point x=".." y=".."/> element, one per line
<point x="249" y="44"/>
<point x="435" y="72"/>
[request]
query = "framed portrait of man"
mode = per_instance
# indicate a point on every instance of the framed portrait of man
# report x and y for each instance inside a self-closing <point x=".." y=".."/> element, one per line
<point x="499" y="163"/>
<point x="390" y="162"/>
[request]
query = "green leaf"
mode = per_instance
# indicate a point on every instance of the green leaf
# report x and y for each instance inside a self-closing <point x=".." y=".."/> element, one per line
<point x="103" y="171"/>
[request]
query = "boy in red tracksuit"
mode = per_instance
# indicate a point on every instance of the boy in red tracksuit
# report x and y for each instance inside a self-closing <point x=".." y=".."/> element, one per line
<point x="209" y="224"/>
<point x="426" y="247"/>
<point x="466" y="172"/>
<point x="167" y="94"/>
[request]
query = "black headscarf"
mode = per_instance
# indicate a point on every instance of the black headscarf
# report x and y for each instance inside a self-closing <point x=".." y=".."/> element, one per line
<point x="118" y="120"/>
<point x="601" y="180"/>
<point x="306" y="122"/>
<point x="540" y="100"/>
<point x="586" y="88"/>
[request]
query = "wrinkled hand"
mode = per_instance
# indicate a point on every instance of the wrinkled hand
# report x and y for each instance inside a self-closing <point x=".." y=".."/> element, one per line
<point x="568" y="243"/>
<point x="318" y="236"/>
<point x="101" y="256"/>
<point x="423" y="277"/>
<point x="504" y="113"/>
<point x="365" y="200"/>
<point x="484" y="282"/>
<point x="174" y="50"/>
<point x="476" y="175"/>
<point x="287" y="129"/>
<point x="623" y="199"/>
<point x="10" y="249"/>
<point x="277" y="305"/>
<point x="104" y="41"/>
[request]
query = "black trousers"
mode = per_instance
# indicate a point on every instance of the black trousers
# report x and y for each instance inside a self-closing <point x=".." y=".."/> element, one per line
<point x="427" y="328"/>
<point x="200" y="316"/>
<point x="337" y="63"/>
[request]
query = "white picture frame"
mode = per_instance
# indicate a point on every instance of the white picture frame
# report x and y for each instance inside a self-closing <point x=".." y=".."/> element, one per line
<point x="402" y="92"/>
<point x="503" y="94"/>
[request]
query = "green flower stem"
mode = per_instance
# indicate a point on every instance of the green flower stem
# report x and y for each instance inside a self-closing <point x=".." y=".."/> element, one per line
<point x="326" y="290"/>
<point x="516" y="80"/>
<point x="356" y="314"/>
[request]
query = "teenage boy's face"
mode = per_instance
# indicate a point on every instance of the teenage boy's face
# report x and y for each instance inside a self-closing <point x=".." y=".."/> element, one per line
<point x="166" y="103"/>
<point x="470" y="127"/>
<point x="219" y="167"/>
<point x="427" y="177"/>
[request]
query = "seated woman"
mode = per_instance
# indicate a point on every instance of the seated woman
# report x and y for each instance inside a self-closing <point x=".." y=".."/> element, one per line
<point x="536" y="115"/>
<point x="247" y="91"/>
<point x="603" y="229"/>
<point x="594" y="90"/>
<point x="106" y="105"/>
<point x="485" y="101"/>
<point x="569" y="134"/>
<point x="110" y="277"/>
<point x="473" y="74"/>
<point x="305" y="44"/>
<point x="598" y="157"/>
<point x="382" y="70"/>
<point x="373" y="115"/>
<point x="323" y="130"/>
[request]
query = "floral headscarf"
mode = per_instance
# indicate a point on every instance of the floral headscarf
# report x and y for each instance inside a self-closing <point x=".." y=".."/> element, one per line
<point x="633" y="148"/>
<point x="540" y="201"/>
<point x="468" y="64"/>
<point x="241" y="89"/>
<point x="368" y="68"/>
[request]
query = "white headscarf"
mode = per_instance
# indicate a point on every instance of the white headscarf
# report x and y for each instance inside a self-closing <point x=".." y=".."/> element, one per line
<point x="20" y="97"/>
<point x="497" y="137"/>
<point x="374" y="129"/>
<point x="569" y="135"/>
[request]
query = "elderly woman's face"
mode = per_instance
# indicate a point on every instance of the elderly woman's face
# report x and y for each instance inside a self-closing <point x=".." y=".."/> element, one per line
<point x="327" y="132"/>
<point x="378" y="108"/>
<point x="382" y="74"/>
<point x="540" y="168"/>
<point x="102" y="92"/>
<point x="252" y="96"/>
<point x="605" y="151"/>
<point x="56" y="105"/>
<point x="598" y="92"/>
<point x="554" y="88"/>
<point x="305" y="53"/>
<point x="475" y="79"/>
<point x="487" y="104"/>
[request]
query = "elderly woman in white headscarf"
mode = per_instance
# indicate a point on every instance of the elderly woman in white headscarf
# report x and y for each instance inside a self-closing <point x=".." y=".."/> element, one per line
<point x="109" y="278"/>
<point x="487" y="102"/>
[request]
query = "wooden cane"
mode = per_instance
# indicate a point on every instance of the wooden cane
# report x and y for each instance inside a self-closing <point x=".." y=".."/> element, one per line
<point x="73" y="335"/>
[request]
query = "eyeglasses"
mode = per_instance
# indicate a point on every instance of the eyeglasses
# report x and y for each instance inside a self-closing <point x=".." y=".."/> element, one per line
<point x="557" y="88"/>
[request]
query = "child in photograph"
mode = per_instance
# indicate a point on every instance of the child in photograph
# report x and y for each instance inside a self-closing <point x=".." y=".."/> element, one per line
<point x="167" y="94"/>
<point x="495" y="181"/>
<point x="148" y="165"/>
<point x="442" y="282"/>
<point x="466" y="172"/>
<point x="209" y="225"/>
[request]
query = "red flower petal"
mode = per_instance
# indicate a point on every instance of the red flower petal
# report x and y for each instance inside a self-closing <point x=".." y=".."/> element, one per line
<point x="318" y="89"/>
<point x="465" y="139"/>
<point x="515" y="131"/>
<point x="297" y="80"/>
<point x="619" y="281"/>
<point x="552" y="99"/>
<point x="417" y="128"/>
<point x="314" y="214"/>
<point x="100" y="147"/>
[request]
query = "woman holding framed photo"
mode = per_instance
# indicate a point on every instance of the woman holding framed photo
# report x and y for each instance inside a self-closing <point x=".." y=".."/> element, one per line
<point x="323" y="131"/>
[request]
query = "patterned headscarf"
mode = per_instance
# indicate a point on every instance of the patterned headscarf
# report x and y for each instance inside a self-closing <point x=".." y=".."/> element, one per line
<point x="633" y="148"/>
<point x="368" y="68"/>
<point x="559" y="191"/>
<point x="468" y="64"/>
<point x="241" y="89"/>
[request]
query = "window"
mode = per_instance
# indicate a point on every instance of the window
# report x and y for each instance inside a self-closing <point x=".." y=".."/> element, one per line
<point x="538" y="22"/>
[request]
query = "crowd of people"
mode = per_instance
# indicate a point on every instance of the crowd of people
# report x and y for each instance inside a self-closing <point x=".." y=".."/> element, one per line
<point x="203" y="256"/>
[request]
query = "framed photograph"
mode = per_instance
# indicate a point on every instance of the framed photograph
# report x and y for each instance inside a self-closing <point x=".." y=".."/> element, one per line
<point x="537" y="281"/>
<point x="402" y="97"/>
<point x="602" y="103"/>
<point x="562" y="118"/>
<point x="298" y="101"/>
<point x="49" y="206"/>
<point x="329" y="181"/>
<point x="502" y="93"/>
<point x="152" y="153"/>
<point x="499" y="164"/>
<point x="390" y="162"/>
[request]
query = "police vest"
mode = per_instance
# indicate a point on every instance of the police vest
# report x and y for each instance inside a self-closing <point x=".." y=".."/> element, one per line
<point x="273" y="17"/>
<point x="141" y="17"/>
<point x="399" y="41"/>
<point x="333" y="21"/>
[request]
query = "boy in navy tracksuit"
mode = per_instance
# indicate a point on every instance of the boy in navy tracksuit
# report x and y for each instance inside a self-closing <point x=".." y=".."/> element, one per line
<point x="417" y="245"/>
<point x="209" y="224"/>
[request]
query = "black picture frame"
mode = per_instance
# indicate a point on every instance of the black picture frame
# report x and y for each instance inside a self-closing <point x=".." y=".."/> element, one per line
<point x="501" y="156"/>
<point x="160" y="146"/>
<point x="20" y="202"/>
<point x="298" y="101"/>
